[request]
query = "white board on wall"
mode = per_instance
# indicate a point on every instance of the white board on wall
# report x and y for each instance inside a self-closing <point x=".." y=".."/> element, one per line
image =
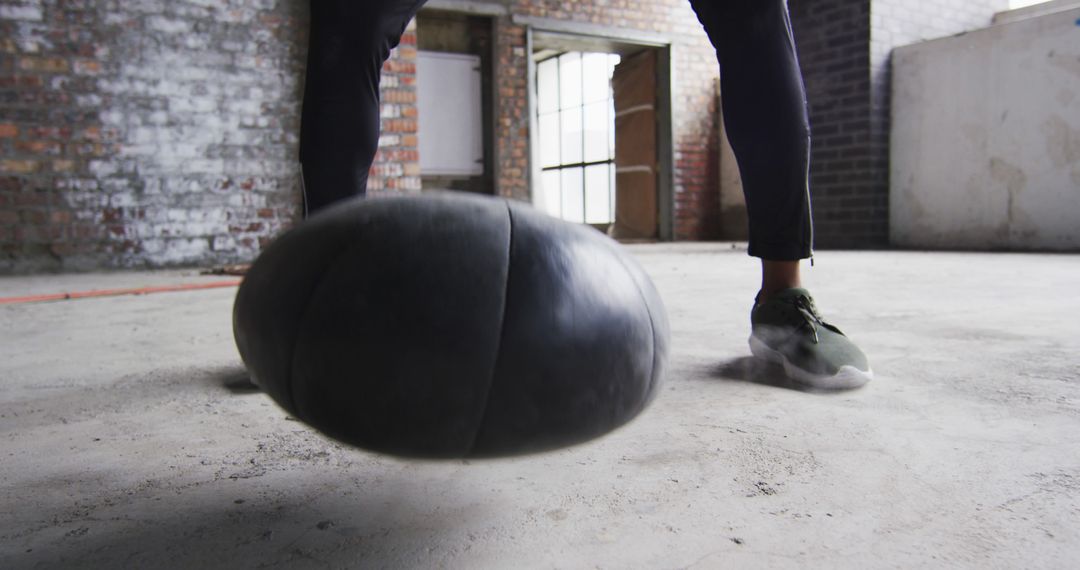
<point x="985" y="143"/>
<point x="450" y="104"/>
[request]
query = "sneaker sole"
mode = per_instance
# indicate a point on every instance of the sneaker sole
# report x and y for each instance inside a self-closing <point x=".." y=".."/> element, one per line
<point x="847" y="378"/>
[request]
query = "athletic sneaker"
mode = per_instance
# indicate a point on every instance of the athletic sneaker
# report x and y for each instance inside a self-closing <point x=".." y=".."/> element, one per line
<point x="788" y="330"/>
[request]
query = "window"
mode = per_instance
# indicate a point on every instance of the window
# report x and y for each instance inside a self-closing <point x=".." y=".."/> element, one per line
<point x="576" y="120"/>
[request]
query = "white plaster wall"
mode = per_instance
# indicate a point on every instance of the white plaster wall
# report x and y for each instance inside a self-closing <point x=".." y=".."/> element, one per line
<point x="985" y="150"/>
<point x="1033" y="8"/>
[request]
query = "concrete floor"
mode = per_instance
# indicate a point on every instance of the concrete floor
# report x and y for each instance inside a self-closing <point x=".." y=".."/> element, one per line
<point x="131" y="439"/>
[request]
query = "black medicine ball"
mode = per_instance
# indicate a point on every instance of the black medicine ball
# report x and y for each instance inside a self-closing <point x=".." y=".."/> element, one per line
<point x="445" y="326"/>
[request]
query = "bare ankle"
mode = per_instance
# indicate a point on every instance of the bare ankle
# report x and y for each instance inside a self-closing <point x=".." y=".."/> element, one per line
<point x="777" y="276"/>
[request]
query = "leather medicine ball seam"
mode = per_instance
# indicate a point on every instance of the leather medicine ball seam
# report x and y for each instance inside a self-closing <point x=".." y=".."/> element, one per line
<point x="283" y="388"/>
<point x="458" y="372"/>
<point x="300" y="325"/>
<point x="652" y="330"/>
<point x="502" y="331"/>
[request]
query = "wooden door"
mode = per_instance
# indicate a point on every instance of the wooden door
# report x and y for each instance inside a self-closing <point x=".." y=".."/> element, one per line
<point x="636" y="162"/>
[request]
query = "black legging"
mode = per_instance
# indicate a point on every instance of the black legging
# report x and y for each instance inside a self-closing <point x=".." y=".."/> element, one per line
<point x="763" y="96"/>
<point x="339" y="131"/>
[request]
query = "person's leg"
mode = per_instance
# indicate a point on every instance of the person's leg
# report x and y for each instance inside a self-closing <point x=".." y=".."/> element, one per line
<point x="766" y="119"/>
<point x="339" y="133"/>
<point x="767" y="122"/>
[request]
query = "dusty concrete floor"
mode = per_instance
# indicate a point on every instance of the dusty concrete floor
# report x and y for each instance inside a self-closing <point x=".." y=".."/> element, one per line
<point x="130" y="439"/>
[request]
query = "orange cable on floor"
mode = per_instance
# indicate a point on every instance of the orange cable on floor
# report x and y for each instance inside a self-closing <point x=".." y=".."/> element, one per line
<point x="117" y="292"/>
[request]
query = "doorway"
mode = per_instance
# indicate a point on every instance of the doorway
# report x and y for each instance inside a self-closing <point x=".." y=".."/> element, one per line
<point x="599" y="151"/>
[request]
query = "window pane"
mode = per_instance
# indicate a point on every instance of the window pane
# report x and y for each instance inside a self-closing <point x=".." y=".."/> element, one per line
<point x="613" y="60"/>
<point x="611" y="191"/>
<point x="547" y="85"/>
<point x="552" y="201"/>
<point x="611" y="128"/>
<point x="570" y="80"/>
<point x="596" y="132"/>
<point x="597" y="78"/>
<point x="597" y="194"/>
<point x="571" y="136"/>
<point x="549" y="140"/>
<point x="576" y="123"/>
<point x="573" y="199"/>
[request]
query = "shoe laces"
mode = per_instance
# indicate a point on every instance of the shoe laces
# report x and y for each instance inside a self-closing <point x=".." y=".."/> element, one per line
<point x="811" y="318"/>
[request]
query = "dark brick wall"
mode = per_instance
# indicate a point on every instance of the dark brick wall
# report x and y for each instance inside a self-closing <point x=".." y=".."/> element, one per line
<point x="844" y="48"/>
<point x="833" y="39"/>
<point x="146" y="133"/>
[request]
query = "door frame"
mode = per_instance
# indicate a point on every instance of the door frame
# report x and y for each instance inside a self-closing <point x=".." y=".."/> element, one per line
<point x="613" y="40"/>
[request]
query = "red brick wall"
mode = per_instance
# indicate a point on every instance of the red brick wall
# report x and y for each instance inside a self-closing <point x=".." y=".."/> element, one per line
<point x="511" y="111"/>
<point x="165" y="133"/>
<point x="696" y="129"/>
<point x="146" y="134"/>
<point x="397" y="164"/>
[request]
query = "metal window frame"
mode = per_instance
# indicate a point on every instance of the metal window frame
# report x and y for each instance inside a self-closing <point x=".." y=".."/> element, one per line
<point x="582" y="164"/>
<point x="666" y="52"/>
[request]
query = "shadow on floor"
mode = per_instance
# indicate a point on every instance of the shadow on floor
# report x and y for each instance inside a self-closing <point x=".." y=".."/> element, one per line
<point x="756" y="371"/>
<point x="276" y="528"/>
<point x="280" y="497"/>
<point x="236" y="380"/>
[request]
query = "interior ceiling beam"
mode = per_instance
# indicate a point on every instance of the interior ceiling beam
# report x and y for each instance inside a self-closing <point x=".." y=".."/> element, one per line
<point x="468" y="7"/>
